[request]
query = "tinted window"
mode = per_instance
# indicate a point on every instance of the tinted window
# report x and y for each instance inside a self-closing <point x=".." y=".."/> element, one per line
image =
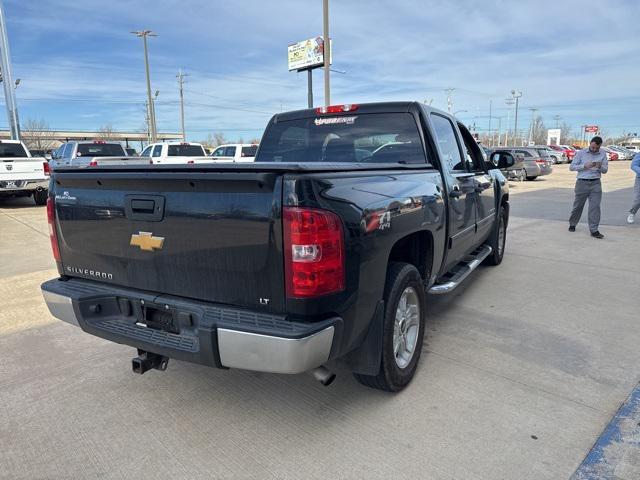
<point x="229" y="152"/>
<point x="186" y="151"/>
<point x="100" y="150"/>
<point x="447" y="143"/>
<point x="525" y="153"/>
<point x="157" y="151"/>
<point x="374" y="138"/>
<point x="146" y="152"/>
<point x="543" y="152"/>
<point x="249" y="151"/>
<point x="218" y="152"/>
<point x="12" y="150"/>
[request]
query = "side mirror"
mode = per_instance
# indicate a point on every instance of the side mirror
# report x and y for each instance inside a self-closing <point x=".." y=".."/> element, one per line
<point x="502" y="160"/>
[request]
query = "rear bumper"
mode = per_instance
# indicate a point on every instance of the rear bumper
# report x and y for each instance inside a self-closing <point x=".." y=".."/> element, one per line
<point x="203" y="333"/>
<point x="23" y="186"/>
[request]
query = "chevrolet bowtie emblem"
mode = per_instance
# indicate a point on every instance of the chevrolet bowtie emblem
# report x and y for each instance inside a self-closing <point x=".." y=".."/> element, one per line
<point x="146" y="241"/>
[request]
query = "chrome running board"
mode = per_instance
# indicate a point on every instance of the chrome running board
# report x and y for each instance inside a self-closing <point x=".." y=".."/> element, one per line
<point x="450" y="280"/>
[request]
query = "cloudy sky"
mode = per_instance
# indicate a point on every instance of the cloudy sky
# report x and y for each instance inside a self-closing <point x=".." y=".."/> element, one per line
<point x="81" y="68"/>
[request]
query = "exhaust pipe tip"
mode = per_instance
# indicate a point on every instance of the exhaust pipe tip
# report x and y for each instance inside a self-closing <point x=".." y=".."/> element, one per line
<point x="323" y="375"/>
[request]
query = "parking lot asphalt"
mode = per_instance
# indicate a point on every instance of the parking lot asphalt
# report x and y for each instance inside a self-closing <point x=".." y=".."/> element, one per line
<point x="523" y="368"/>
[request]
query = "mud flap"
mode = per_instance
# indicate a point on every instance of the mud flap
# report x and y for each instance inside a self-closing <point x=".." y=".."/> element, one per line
<point x="365" y="359"/>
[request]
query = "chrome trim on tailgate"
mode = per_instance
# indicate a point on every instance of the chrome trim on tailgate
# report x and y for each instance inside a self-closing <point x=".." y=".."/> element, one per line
<point x="264" y="353"/>
<point x="60" y="307"/>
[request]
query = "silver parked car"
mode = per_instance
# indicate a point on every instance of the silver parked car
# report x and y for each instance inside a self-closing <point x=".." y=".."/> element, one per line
<point x="82" y="153"/>
<point x="535" y="163"/>
<point x="555" y="155"/>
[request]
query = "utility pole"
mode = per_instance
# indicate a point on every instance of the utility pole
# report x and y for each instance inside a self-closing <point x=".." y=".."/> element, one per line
<point x="490" y="132"/>
<point x="180" y="78"/>
<point x="533" y="120"/>
<point x="516" y="94"/>
<point x="509" y="102"/>
<point x="326" y="51"/>
<point x="152" y="113"/>
<point x="147" y="121"/>
<point x="557" y="119"/>
<point x="450" y="98"/>
<point x="7" y="79"/>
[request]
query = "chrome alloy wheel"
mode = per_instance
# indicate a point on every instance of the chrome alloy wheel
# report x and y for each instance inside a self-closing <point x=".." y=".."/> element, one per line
<point x="406" y="327"/>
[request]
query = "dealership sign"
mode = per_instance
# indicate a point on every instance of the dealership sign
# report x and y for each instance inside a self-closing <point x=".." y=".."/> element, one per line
<point x="307" y="54"/>
<point x="591" y="128"/>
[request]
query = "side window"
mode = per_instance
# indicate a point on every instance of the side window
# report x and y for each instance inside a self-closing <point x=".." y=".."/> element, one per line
<point x="218" y="152"/>
<point x="230" y="152"/>
<point x="524" y="153"/>
<point x="448" y="144"/>
<point x="146" y="152"/>
<point x="473" y="154"/>
<point x="68" y="149"/>
<point x="157" y="151"/>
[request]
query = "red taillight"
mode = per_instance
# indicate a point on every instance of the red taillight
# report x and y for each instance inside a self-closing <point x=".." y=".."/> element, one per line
<point x="100" y="142"/>
<point x="314" y="252"/>
<point x="541" y="160"/>
<point x="349" y="107"/>
<point x="47" y="168"/>
<point x="53" y="235"/>
<point x="93" y="163"/>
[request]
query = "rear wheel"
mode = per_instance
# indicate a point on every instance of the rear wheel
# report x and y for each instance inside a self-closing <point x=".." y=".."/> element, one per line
<point x="403" y="329"/>
<point x="40" y="197"/>
<point x="498" y="239"/>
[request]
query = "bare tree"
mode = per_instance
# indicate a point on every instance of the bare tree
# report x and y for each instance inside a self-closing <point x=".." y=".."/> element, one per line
<point x="106" y="132"/>
<point x="255" y="140"/>
<point x="219" y="139"/>
<point x="37" y="135"/>
<point x="539" y="131"/>
<point x="566" y="133"/>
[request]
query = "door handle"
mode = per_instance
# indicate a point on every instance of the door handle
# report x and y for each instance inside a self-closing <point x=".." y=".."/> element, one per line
<point x="455" y="192"/>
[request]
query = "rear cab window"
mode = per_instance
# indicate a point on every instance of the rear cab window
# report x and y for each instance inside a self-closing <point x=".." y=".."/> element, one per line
<point x="100" y="150"/>
<point x="249" y="151"/>
<point x="185" y="151"/>
<point x="357" y="138"/>
<point x="12" y="150"/>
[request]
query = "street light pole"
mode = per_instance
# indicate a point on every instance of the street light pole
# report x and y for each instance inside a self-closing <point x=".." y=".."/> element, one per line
<point x="509" y="102"/>
<point x="516" y="95"/>
<point x="326" y="51"/>
<point x="180" y="78"/>
<point x="9" y="94"/>
<point x="152" y="113"/>
<point x="490" y="133"/>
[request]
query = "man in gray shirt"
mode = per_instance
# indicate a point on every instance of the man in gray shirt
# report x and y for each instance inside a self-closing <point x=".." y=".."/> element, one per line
<point x="590" y="163"/>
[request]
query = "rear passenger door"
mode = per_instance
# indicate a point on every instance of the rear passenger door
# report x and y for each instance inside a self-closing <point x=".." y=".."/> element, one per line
<point x="460" y="183"/>
<point x="485" y="193"/>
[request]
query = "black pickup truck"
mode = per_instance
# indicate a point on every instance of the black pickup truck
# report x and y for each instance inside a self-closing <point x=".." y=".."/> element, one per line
<point x="323" y="249"/>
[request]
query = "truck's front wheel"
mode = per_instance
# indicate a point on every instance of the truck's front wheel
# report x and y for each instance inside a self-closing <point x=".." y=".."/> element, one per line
<point x="403" y="329"/>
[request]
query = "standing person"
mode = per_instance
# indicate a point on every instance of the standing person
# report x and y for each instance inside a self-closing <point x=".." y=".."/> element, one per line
<point x="590" y="163"/>
<point x="635" y="206"/>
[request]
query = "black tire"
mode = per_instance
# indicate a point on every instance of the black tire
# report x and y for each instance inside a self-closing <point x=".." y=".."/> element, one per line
<point x="390" y="376"/>
<point x="40" y="197"/>
<point x="532" y="178"/>
<point x="497" y="250"/>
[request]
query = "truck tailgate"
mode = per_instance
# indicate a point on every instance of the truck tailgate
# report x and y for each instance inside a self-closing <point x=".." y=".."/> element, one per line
<point x="22" y="169"/>
<point x="204" y="235"/>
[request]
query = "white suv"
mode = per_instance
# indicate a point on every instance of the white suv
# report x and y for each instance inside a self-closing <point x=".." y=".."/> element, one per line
<point x="175" y="153"/>
<point x="236" y="152"/>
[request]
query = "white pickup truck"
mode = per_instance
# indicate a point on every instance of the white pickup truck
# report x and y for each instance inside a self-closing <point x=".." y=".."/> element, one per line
<point x="235" y="152"/>
<point x="175" y="153"/>
<point x="22" y="175"/>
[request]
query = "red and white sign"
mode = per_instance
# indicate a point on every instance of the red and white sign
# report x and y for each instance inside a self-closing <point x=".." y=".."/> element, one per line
<point x="591" y="128"/>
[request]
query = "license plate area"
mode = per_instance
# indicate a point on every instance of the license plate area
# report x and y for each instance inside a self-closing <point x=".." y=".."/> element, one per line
<point x="158" y="317"/>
